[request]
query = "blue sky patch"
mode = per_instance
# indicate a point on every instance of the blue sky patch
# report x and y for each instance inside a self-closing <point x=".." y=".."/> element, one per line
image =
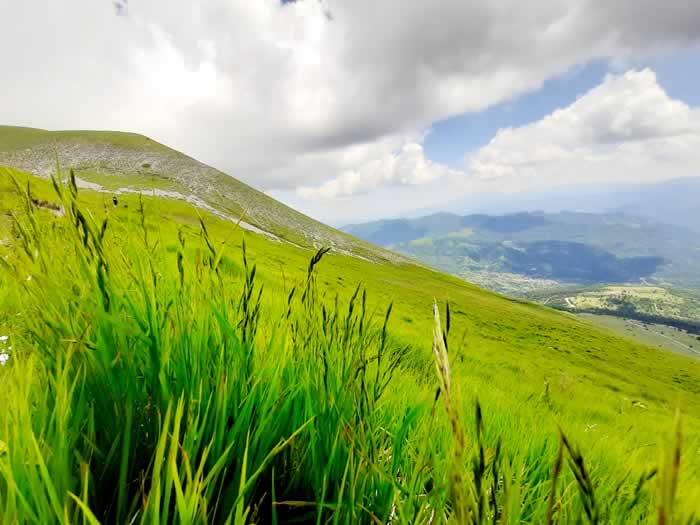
<point x="451" y="139"/>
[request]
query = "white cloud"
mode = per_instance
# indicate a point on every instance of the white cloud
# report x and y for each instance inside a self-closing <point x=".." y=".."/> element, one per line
<point x="405" y="167"/>
<point x="627" y="129"/>
<point x="299" y="95"/>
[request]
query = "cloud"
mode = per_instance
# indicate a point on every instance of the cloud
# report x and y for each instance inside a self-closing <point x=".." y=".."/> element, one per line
<point x="406" y="167"/>
<point x="627" y="129"/>
<point x="297" y="94"/>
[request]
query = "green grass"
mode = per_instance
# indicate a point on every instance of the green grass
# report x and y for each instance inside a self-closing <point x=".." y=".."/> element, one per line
<point x="161" y="372"/>
<point x="13" y="138"/>
<point x="657" y="335"/>
<point x="116" y="160"/>
<point x="649" y="304"/>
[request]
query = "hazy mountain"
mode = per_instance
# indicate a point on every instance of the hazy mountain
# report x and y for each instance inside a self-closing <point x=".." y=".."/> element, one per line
<point x="566" y="246"/>
<point x="674" y="202"/>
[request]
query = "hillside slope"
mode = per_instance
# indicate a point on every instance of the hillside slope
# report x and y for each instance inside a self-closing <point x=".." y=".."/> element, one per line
<point x="533" y="369"/>
<point x="117" y="162"/>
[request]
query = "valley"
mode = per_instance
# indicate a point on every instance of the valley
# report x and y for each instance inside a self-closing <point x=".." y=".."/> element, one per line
<point x="606" y="264"/>
<point x="567" y="247"/>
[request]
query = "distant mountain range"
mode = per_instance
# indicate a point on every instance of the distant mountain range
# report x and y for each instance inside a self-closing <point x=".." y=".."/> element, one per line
<point x="675" y="202"/>
<point x="566" y="247"/>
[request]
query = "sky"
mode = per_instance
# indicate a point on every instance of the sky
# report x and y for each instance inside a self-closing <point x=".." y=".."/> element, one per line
<point x="350" y="111"/>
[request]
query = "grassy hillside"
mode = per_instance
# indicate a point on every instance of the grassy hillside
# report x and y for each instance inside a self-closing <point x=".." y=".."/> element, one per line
<point x="680" y="308"/>
<point x="126" y="162"/>
<point x="648" y="300"/>
<point x="161" y="372"/>
<point x="658" y="335"/>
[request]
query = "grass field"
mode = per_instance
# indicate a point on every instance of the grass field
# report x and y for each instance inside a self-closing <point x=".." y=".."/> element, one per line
<point x="648" y="300"/>
<point x="167" y="366"/>
<point x="657" y="335"/>
<point x="130" y="161"/>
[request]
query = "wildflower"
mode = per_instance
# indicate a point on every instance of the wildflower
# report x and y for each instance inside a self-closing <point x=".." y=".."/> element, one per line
<point x="4" y="358"/>
<point x="4" y="338"/>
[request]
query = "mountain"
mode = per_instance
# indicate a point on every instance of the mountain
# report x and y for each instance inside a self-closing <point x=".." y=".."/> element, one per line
<point x="571" y="247"/>
<point x="164" y="361"/>
<point x="673" y="202"/>
<point x="116" y="162"/>
<point x="670" y="202"/>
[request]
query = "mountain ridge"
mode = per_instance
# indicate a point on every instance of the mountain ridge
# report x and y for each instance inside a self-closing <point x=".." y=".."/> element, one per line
<point x="139" y="163"/>
<point x="670" y="201"/>
<point x="531" y="243"/>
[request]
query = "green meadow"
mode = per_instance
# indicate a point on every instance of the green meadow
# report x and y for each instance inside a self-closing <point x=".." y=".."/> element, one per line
<point x="165" y="365"/>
